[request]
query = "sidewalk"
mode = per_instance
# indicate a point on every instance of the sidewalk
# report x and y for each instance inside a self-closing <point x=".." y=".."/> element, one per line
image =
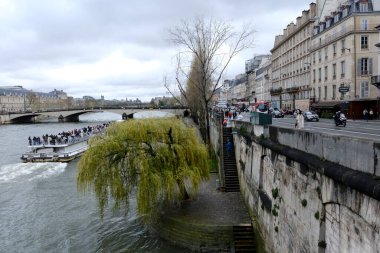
<point x="212" y="207"/>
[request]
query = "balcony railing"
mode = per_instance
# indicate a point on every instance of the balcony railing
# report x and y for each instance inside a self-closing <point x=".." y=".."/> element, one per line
<point x="276" y="91"/>
<point x="292" y="89"/>
<point x="344" y="31"/>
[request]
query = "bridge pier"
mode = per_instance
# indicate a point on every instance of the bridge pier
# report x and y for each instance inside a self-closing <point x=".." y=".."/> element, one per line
<point x="70" y="118"/>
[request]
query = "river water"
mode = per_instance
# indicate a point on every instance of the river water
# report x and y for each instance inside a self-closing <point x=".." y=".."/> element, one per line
<point x="42" y="211"/>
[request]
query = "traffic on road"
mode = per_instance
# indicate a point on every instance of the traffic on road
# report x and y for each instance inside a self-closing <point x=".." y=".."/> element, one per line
<point x="354" y="128"/>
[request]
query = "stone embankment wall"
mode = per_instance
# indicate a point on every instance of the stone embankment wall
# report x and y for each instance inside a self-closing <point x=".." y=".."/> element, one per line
<point x="310" y="192"/>
<point x="4" y="119"/>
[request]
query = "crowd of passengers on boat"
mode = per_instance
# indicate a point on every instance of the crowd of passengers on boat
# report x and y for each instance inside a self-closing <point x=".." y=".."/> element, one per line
<point x="67" y="136"/>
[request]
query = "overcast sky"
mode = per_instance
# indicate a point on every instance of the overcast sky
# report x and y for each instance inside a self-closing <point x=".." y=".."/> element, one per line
<point x="118" y="48"/>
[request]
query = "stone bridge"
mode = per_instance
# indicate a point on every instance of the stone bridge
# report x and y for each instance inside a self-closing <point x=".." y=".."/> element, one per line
<point x="73" y="115"/>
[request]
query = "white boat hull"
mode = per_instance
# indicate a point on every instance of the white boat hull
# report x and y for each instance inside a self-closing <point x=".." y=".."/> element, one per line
<point x="55" y="153"/>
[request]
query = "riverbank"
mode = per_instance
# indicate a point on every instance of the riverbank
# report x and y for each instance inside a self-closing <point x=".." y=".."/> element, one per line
<point x="206" y="221"/>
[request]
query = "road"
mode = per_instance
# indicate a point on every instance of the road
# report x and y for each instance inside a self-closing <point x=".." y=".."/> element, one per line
<point x="358" y="128"/>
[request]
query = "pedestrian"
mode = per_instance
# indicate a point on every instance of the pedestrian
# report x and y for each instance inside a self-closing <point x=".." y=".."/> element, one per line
<point x="299" y="120"/>
<point x="370" y="114"/>
<point x="229" y="147"/>
<point x="365" y="114"/>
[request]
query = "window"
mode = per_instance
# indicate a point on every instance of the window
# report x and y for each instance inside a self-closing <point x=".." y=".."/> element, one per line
<point x="363" y="7"/>
<point x="364" y="24"/>
<point x="364" y="42"/>
<point x="326" y="52"/>
<point x="325" y="95"/>
<point x="319" y="55"/>
<point x="342" y="68"/>
<point x="319" y="74"/>
<point x="334" y="49"/>
<point x="364" y="89"/>
<point x="313" y="75"/>
<point x="313" y="57"/>
<point x="336" y="18"/>
<point x="334" y="91"/>
<point x="328" y="23"/>
<point x="319" y="93"/>
<point x="365" y="66"/>
<point x="326" y="70"/>
<point x="334" y="71"/>
<point x="343" y="45"/>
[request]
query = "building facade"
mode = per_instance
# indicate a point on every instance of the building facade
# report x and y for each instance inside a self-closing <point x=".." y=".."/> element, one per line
<point x="344" y="58"/>
<point x="16" y="99"/>
<point x="257" y="81"/>
<point x="291" y="63"/>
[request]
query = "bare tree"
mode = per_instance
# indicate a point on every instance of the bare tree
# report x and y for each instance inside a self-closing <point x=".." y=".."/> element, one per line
<point x="207" y="47"/>
<point x="33" y="101"/>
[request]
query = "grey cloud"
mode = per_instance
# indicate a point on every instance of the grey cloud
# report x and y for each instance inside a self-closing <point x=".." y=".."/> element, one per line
<point x="41" y="35"/>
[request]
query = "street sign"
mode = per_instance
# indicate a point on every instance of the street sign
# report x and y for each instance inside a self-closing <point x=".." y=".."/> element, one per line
<point x="343" y="89"/>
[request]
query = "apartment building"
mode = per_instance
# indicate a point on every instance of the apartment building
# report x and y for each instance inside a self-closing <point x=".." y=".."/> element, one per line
<point x="375" y="80"/>
<point x="258" y="82"/>
<point x="344" y="57"/>
<point x="263" y="84"/>
<point x="291" y="63"/>
<point x="238" y="89"/>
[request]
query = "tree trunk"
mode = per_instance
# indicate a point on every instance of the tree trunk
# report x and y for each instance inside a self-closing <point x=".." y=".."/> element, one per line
<point x="182" y="189"/>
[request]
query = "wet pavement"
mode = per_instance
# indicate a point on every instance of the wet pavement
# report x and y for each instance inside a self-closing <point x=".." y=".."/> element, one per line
<point x="213" y="207"/>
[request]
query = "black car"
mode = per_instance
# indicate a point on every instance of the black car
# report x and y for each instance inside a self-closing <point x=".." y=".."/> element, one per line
<point x="310" y="116"/>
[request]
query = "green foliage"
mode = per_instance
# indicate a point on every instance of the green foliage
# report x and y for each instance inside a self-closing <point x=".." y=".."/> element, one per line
<point x="213" y="162"/>
<point x="316" y="215"/>
<point x="155" y="157"/>
<point x="275" y="192"/>
<point x="274" y="212"/>
<point x="304" y="202"/>
<point x="322" y="244"/>
<point x="243" y="130"/>
<point x="276" y="229"/>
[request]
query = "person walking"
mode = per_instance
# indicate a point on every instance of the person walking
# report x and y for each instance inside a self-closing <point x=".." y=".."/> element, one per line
<point x="371" y="114"/>
<point x="299" y="120"/>
<point x="365" y="114"/>
<point x="229" y="147"/>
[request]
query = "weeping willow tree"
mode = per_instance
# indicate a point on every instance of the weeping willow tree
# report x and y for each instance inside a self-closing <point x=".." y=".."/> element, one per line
<point x="162" y="159"/>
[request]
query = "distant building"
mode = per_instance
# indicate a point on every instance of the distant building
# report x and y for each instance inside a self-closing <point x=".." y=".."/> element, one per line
<point x="12" y="99"/>
<point x="16" y="99"/>
<point x="253" y="92"/>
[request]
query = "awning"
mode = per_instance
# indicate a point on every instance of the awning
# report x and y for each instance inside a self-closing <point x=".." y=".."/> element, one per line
<point x="329" y="104"/>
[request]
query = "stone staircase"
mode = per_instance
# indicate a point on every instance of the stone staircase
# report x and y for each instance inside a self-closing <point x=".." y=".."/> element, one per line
<point x="244" y="238"/>
<point x="231" y="179"/>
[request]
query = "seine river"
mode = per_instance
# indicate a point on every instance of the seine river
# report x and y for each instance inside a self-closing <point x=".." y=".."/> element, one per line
<point x="42" y="211"/>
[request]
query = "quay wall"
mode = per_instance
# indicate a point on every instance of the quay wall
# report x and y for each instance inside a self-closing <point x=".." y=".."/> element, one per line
<point x="4" y="118"/>
<point x="309" y="192"/>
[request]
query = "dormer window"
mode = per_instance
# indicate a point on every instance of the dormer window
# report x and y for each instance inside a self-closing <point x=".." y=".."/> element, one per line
<point x="344" y="12"/>
<point x="328" y="23"/>
<point x="336" y="18"/>
<point x="363" y="7"/>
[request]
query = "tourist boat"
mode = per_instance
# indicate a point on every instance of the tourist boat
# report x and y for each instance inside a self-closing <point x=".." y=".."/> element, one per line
<point x="56" y="152"/>
<point x="62" y="149"/>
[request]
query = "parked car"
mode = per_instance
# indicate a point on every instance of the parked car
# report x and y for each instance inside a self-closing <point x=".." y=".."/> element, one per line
<point x="276" y="113"/>
<point x="311" y="116"/>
